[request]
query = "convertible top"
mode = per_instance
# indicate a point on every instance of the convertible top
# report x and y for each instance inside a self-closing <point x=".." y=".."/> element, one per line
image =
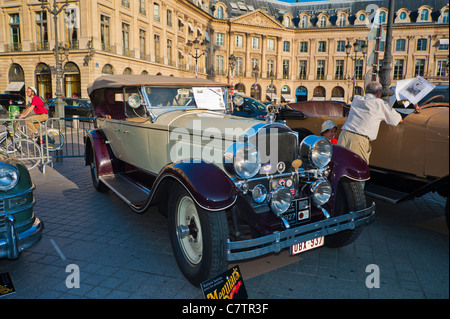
<point x="118" y="81"/>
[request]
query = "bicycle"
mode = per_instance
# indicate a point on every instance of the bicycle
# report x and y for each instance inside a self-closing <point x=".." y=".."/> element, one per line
<point x="23" y="148"/>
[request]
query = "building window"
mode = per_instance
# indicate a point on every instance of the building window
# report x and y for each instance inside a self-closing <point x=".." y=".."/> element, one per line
<point x="271" y="44"/>
<point x="105" y="33"/>
<point x="285" y="69"/>
<point x="41" y="29"/>
<point x="219" y="38"/>
<point x="239" y="41"/>
<point x="169" y="52"/>
<point x="286" y="22"/>
<point x="403" y="15"/>
<point x="255" y="62"/>
<point x="419" y="67"/>
<point x="286" y="46"/>
<point x="400" y="45"/>
<point x="157" y="47"/>
<point x="424" y="15"/>
<point x="219" y="13"/>
<point x="340" y="46"/>
<point x="303" y="47"/>
<point x="126" y="39"/>
<point x="219" y="64"/>
<point x="143" y="44"/>
<point x="304" y="21"/>
<point x="239" y="66"/>
<point x="441" y="67"/>
<point x="382" y="17"/>
<point x="142" y="7"/>
<point x="321" y="46"/>
<point x="320" y="71"/>
<point x="169" y="17"/>
<point x="339" y="74"/>
<point x="323" y="22"/>
<point x="342" y="19"/>
<point x="302" y="69"/>
<point x="156" y="12"/>
<point x="443" y="45"/>
<point x="398" y="69"/>
<point x="421" y="44"/>
<point x="359" y="67"/>
<point x="255" y="43"/>
<point x="14" y="27"/>
<point x="71" y="27"/>
<point x="445" y="17"/>
<point x="270" y="68"/>
<point x="126" y="3"/>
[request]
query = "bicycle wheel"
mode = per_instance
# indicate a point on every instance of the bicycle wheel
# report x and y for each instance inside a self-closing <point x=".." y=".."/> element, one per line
<point x="54" y="140"/>
<point x="5" y="140"/>
<point x="27" y="151"/>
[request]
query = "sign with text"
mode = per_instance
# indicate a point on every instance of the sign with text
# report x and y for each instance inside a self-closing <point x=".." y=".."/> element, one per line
<point x="6" y="284"/>
<point x="228" y="285"/>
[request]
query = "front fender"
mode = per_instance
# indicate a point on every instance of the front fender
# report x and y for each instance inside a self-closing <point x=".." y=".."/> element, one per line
<point x="207" y="184"/>
<point x="98" y="150"/>
<point x="345" y="163"/>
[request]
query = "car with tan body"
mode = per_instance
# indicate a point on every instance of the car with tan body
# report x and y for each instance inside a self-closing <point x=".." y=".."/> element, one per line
<point x="407" y="160"/>
<point x="232" y="188"/>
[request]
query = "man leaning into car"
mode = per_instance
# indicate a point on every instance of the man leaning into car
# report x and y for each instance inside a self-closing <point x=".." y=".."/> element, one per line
<point x="363" y="122"/>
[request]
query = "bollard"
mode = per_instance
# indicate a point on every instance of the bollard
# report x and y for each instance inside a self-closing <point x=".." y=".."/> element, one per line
<point x="75" y="121"/>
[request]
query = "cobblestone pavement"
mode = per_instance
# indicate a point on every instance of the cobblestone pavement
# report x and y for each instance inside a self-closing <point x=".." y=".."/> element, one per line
<point x="121" y="254"/>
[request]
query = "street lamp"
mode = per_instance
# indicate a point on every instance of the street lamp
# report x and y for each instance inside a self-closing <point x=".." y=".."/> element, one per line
<point x="255" y="74"/>
<point x="58" y="51"/>
<point x="356" y="46"/>
<point x="199" y="49"/>
<point x="232" y="63"/>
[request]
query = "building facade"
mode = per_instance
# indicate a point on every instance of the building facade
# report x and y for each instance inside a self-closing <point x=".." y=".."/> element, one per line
<point x="265" y="48"/>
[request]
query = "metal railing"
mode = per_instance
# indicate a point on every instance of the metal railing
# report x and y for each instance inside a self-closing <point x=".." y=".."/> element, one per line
<point x="38" y="150"/>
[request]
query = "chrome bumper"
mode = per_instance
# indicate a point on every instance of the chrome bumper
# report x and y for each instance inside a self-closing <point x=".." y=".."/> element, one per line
<point x="279" y="240"/>
<point x="13" y="242"/>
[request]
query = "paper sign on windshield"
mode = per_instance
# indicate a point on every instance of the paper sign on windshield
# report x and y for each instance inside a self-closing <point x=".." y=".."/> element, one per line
<point x="209" y="98"/>
<point x="413" y="90"/>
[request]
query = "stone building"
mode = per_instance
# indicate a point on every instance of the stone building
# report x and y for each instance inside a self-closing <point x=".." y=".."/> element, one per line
<point x="280" y="51"/>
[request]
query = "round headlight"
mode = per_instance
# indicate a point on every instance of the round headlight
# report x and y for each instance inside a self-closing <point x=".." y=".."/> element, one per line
<point x="244" y="158"/>
<point x="259" y="193"/>
<point x="9" y="177"/>
<point x="321" y="191"/>
<point x="316" y="150"/>
<point x="281" y="200"/>
<point x="134" y="101"/>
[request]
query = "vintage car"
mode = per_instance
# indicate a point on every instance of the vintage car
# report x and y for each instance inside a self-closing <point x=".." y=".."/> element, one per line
<point x="72" y="107"/>
<point x="232" y="188"/>
<point x="248" y="107"/>
<point x="407" y="161"/>
<point x="19" y="227"/>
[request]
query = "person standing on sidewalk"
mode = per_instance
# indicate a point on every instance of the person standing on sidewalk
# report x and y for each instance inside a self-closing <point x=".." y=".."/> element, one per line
<point x="36" y="110"/>
<point x="363" y="122"/>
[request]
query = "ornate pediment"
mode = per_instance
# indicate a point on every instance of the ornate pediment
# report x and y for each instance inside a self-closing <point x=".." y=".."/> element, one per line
<point x="257" y="18"/>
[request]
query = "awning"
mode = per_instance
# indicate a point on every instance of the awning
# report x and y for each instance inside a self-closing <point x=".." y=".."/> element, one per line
<point x="272" y="96"/>
<point x="191" y="27"/>
<point x="200" y="31"/>
<point x="181" y="21"/>
<point x="287" y="98"/>
<point x="181" y="52"/>
<point x="15" y="86"/>
<point x="443" y="41"/>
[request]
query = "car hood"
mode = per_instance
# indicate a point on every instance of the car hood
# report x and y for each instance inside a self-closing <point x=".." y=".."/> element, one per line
<point x="209" y="123"/>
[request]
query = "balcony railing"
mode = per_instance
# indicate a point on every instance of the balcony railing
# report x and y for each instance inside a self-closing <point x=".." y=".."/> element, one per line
<point x="40" y="46"/>
<point x="13" y="47"/>
<point x="127" y="52"/>
<point x="108" y="48"/>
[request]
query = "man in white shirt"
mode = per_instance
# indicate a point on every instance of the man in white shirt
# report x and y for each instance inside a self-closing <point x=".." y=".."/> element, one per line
<point x="363" y="122"/>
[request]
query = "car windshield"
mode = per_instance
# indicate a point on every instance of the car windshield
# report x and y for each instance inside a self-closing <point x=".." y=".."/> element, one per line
<point x="258" y="106"/>
<point x="192" y="97"/>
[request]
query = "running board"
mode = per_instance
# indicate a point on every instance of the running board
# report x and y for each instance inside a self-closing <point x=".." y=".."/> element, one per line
<point x="383" y="193"/>
<point x="132" y="194"/>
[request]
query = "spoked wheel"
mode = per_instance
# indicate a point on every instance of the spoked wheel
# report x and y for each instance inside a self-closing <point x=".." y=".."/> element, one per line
<point x="98" y="184"/>
<point x="198" y="237"/>
<point x="54" y="140"/>
<point x="349" y="197"/>
<point x="27" y="151"/>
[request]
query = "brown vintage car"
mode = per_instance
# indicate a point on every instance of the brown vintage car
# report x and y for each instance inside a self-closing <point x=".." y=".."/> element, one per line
<point x="407" y="161"/>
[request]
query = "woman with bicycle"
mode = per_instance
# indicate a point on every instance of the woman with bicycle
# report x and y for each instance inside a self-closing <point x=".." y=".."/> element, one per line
<point x="36" y="110"/>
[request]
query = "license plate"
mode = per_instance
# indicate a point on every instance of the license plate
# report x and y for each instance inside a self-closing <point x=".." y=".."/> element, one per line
<point x="307" y="245"/>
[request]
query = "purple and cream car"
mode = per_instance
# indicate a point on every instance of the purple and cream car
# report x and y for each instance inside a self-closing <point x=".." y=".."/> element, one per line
<point x="232" y="188"/>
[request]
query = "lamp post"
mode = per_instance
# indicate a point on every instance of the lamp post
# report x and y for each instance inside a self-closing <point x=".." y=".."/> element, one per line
<point x="255" y="74"/>
<point x="232" y="64"/>
<point x="356" y="47"/>
<point x="58" y="51"/>
<point x="385" y="72"/>
<point x="199" y="49"/>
